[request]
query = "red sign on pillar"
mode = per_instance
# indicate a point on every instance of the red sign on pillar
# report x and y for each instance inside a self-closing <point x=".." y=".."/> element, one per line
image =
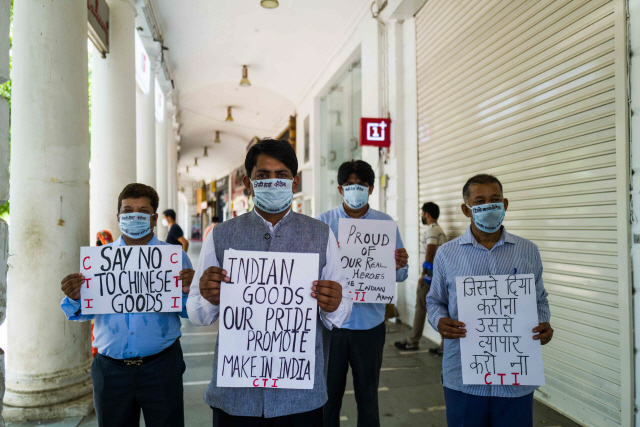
<point x="375" y="132"/>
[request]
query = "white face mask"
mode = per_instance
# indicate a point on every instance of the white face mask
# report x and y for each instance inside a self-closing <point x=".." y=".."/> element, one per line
<point x="164" y="222"/>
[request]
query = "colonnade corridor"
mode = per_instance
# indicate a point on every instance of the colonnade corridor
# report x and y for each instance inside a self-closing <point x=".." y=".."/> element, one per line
<point x="410" y="391"/>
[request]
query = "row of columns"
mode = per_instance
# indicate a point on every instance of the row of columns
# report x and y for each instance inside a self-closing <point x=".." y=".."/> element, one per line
<point x="57" y="203"/>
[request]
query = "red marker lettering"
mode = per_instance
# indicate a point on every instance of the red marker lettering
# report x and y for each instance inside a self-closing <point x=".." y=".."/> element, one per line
<point x="88" y="302"/>
<point x="357" y="293"/>
<point x="83" y="265"/>
<point x="254" y="383"/>
<point x="265" y="381"/>
<point x="172" y="261"/>
<point x="87" y="280"/>
<point x="501" y="378"/>
<point x="175" y="305"/>
<point x="362" y="300"/>
<point x="485" y="379"/>
<point x="177" y="278"/>
<point x="274" y="382"/>
<point x="515" y="378"/>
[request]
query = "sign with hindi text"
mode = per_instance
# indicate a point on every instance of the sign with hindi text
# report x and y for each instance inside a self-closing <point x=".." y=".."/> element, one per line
<point x="267" y="324"/>
<point x="367" y="256"/>
<point x="131" y="279"/>
<point x="499" y="313"/>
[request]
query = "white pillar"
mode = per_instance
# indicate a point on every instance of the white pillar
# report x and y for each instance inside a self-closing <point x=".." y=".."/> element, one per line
<point x="4" y="172"/>
<point x="49" y="356"/>
<point x="172" y="146"/>
<point x="161" y="174"/>
<point x="146" y="134"/>
<point x="113" y="118"/>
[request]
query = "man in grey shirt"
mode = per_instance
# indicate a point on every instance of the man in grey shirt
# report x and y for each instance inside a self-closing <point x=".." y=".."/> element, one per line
<point x="432" y="238"/>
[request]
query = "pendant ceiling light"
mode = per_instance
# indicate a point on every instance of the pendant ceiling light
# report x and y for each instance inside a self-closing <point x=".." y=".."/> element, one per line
<point x="245" y="77"/>
<point x="217" y="140"/>
<point x="196" y="162"/>
<point x="187" y="169"/>
<point x="269" y="4"/>
<point x="229" y="116"/>
<point x="205" y="152"/>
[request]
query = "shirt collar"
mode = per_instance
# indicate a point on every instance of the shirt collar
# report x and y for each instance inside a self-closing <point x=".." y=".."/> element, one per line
<point x="154" y="241"/>
<point x="468" y="239"/>
<point x="343" y="213"/>
<point x="267" y="223"/>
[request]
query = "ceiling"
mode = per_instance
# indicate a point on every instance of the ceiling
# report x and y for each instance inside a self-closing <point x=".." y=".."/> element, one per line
<point x="285" y="49"/>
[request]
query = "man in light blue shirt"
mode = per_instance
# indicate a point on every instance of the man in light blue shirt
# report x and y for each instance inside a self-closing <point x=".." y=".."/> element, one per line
<point x="360" y="340"/>
<point x="139" y="353"/>
<point x="484" y="249"/>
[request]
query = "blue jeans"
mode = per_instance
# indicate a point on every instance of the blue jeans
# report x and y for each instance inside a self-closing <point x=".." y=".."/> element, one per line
<point x="468" y="410"/>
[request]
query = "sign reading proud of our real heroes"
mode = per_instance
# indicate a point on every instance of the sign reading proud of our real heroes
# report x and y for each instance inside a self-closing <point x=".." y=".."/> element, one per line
<point x="267" y="332"/>
<point x="131" y="279"/>
<point x="367" y="255"/>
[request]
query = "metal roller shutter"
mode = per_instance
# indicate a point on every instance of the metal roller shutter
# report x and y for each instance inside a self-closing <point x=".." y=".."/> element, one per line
<point x="534" y="92"/>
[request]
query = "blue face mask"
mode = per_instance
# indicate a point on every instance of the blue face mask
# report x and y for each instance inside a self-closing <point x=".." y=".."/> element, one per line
<point x="356" y="196"/>
<point x="488" y="217"/>
<point x="273" y="195"/>
<point x="135" y="224"/>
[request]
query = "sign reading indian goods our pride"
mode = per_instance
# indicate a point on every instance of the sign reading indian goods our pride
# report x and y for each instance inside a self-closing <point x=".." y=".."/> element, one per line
<point x="367" y="255"/>
<point x="131" y="279"/>
<point x="267" y="335"/>
<point x="499" y="313"/>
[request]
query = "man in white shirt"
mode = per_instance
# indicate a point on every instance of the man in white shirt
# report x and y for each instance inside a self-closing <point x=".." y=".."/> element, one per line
<point x="272" y="177"/>
<point x="432" y="238"/>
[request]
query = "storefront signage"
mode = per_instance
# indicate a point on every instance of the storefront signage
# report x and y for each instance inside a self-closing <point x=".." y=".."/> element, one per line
<point x="143" y="66"/>
<point x="98" y="17"/>
<point x="375" y="132"/>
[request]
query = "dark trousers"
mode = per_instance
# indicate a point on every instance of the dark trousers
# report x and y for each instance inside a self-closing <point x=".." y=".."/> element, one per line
<point x="304" y="419"/>
<point x="362" y="350"/>
<point x="120" y="391"/>
<point x="468" y="410"/>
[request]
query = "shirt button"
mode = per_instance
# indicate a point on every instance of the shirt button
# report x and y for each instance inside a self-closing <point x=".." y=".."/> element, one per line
<point x="267" y="236"/>
<point x="130" y="353"/>
<point x="131" y="333"/>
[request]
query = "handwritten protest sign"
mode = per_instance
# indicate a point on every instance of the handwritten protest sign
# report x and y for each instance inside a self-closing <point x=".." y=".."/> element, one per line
<point x="267" y="335"/>
<point x="499" y="313"/>
<point x="367" y="249"/>
<point x="131" y="279"/>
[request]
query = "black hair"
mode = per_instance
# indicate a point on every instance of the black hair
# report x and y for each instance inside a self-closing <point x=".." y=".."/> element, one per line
<point x="481" y="178"/>
<point x="362" y="169"/>
<point x="215" y="219"/>
<point x="170" y="213"/>
<point x="432" y="209"/>
<point x="279" y="150"/>
<point x="138" y="191"/>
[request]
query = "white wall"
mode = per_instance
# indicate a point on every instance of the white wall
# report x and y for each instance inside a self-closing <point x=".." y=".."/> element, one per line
<point x="401" y="195"/>
<point x="634" y="138"/>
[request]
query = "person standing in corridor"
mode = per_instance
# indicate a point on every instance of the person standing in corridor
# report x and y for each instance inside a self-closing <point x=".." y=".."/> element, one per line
<point x="486" y="248"/>
<point x="139" y="363"/>
<point x="432" y="238"/>
<point x="360" y="341"/>
<point x="175" y="236"/>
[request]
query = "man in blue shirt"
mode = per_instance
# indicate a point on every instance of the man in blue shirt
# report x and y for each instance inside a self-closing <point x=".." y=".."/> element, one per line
<point x="484" y="249"/>
<point x="139" y="363"/>
<point x="360" y="340"/>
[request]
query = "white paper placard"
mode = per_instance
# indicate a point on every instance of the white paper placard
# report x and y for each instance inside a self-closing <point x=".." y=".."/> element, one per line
<point x="367" y="255"/>
<point x="131" y="279"/>
<point x="267" y="324"/>
<point x="499" y="313"/>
